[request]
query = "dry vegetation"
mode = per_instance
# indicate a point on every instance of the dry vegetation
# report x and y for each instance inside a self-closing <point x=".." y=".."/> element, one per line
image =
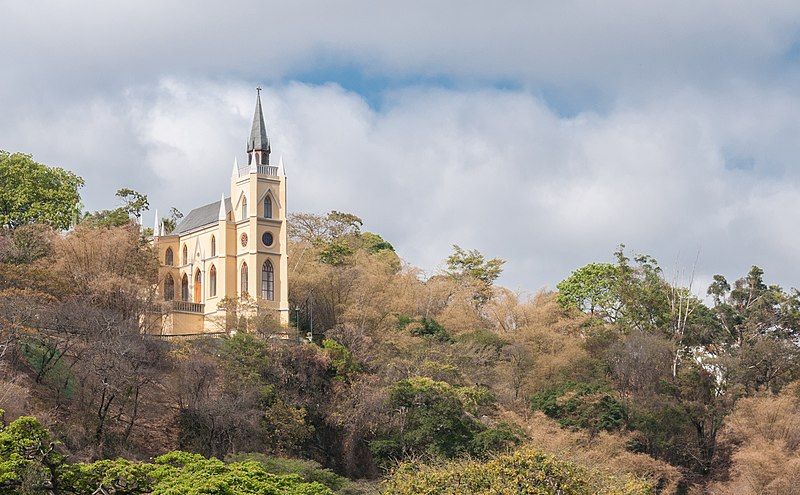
<point x="403" y="367"/>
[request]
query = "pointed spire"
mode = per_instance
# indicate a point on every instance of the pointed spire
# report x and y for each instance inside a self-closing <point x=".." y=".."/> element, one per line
<point x="235" y="171"/>
<point x="258" y="133"/>
<point x="281" y="170"/>
<point x="162" y="232"/>
<point x="155" y="224"/>
<point x="223" y="213"/>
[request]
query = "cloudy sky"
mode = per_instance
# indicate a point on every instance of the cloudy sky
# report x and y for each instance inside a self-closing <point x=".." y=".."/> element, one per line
<point x="542" y="132"/>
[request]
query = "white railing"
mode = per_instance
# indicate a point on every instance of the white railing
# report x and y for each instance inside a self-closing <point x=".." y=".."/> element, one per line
<point x="187" y="307"/>
<point x="267" y="170"/>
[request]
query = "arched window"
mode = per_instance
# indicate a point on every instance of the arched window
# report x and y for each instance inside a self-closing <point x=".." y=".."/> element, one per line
<point x="168" y="258"/>
<point x="185" y="255"/>
<point x="267" y="281"/>
<point x="244" y="208"/>
<point x="267" y="207"/>
<point x="212" y="282"/>
<point x="169" y="288"/>
<point x="198" y="286"/>
<point x="184" y="288"/>
<point x="213" y="246"/>
<point x="243" y="280"/>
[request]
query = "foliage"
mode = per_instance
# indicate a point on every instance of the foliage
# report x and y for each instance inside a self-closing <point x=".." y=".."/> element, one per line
<point x="581" y="405"/>
<point x="436" y="423"/>
<point x="28" y="458"/>
<point x="764" y="435"/>
<point x="133" y="204"/>
<point x="342" y="360"/>
<point x="310" y="471"/>
<point x="31" y="192"/>
<point x="526" y="471"/>
<point x="592" y="289"/>
<point x="473" y="266"/>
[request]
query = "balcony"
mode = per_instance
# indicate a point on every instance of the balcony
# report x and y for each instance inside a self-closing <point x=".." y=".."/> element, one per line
<point x="268" y="170"/>
<point x="187" y="307"/>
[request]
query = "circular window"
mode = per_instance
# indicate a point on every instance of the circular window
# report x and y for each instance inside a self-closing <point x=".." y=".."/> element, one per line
<point x="244" y="240"/>
<point x="267" y="239"/>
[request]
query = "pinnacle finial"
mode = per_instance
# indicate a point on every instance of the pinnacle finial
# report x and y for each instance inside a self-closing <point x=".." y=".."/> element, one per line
<point x="223" y="212"/>
<point x="156" y="230"/>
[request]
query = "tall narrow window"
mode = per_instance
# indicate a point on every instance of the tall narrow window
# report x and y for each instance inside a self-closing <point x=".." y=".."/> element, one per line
<point x="243" y="280"/>
<point x="185" y="255"/>
<point x="169" y="288"/>
<point x="212" y="282"/>
<point x="213" y="246"/>
<point x="185" y="288"/>
<point x="198" y="287"/>
<point x="168" y="259"/>
<point x="267" y="281"/>
<point x="244" y="208"/>
<point x="267" y="207"/>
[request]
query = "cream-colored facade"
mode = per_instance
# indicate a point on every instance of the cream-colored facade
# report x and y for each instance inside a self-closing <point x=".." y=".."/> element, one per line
<point x="234" y="248"/>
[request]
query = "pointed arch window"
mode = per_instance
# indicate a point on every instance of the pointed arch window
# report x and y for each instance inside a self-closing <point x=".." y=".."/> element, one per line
<point x="212" y="281"/>
<point x="243" y="280"/>
<point x="169" y="288"/>
<point x="168" y="259"/>
<point x="213" y="246"/>
<point x="267" y="207"/>
<point x="198" y="286"/>
<point x="267" y="281"/>
<point x="185" y="288"/>
<point x="244" y="208"/>
<point x="185" y="255"/>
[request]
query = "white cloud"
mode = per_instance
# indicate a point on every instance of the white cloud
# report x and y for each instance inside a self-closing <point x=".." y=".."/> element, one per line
<point x="684" y="134"/>
<point x="489" y="169"/>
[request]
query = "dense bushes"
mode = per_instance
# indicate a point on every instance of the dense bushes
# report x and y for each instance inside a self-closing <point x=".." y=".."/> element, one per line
<point x="30" y="464"/>
<point x="525" y="472"/>
<point x="581" y="405"/>
<point x="434" y="422"/>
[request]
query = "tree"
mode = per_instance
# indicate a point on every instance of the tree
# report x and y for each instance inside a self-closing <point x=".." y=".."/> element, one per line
<point x="31" y="192"/>
<point x="172" y="220"/>
<point x="473" y="267"/>
<point x="134" y="203"/>
<point x="592" y="289"/>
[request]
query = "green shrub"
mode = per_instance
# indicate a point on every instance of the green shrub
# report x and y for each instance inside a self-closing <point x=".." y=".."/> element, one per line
<point x="525" y="472"/>
<point x="582" y="405"/>
<point x="342" y="360"/>
<point x="436" y="422"/>
<point x="309" y="470"/>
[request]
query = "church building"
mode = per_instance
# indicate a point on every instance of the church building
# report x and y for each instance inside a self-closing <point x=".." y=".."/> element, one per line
<point x="234" y="248"/>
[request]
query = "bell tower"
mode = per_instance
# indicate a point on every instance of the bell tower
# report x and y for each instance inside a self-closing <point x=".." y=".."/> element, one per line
<point x="258" y="203"/>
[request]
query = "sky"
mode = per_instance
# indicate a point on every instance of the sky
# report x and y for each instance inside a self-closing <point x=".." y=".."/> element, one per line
<point x="545" y="133"/>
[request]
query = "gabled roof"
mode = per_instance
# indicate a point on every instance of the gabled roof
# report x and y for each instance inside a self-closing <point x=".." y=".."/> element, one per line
<point x="201" y="217"/>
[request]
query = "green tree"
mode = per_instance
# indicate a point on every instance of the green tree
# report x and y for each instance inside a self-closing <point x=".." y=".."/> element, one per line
<point x="592" y="289"/>
<point x="473" y="267"/>
<point x="31" y="192"/>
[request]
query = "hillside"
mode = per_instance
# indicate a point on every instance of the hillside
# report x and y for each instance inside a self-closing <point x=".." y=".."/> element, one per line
<point x="618" y="382"/>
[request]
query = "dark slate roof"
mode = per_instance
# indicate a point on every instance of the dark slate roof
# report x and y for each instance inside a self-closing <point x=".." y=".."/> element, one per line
<point x="201" y="217"/>
<point x="258" y="133"/>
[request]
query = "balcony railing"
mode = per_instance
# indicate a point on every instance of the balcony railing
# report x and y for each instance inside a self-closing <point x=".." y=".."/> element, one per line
<point x="267" y="170"/>
<point x="188" y="307"/>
